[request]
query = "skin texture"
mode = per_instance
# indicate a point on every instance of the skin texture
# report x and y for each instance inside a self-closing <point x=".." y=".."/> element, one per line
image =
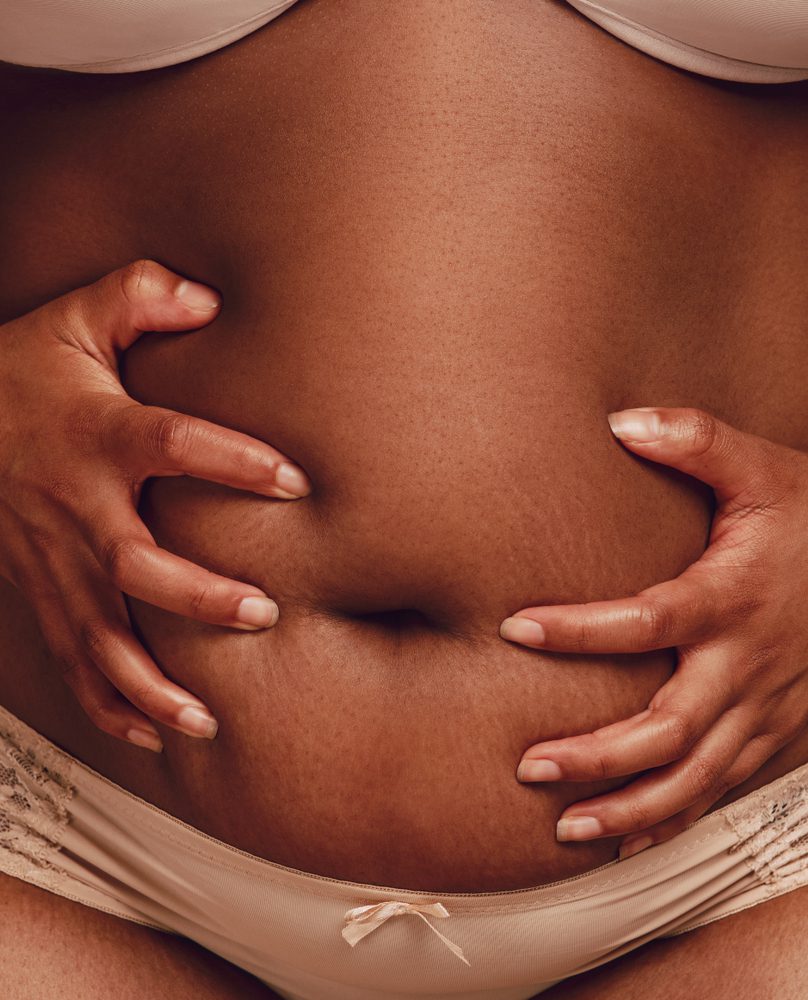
<point x="712" y="961"/>
<point x="72" y="528"/>
<point x="44" y="952"/>
<point x="736" y="616"/>
<point x="442" y="262"/>
<point x="136" y="961"/>
<point x="479" y="342"/>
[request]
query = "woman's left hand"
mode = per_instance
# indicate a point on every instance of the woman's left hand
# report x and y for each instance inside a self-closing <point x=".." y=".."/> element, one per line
<point x="737" y="615"/>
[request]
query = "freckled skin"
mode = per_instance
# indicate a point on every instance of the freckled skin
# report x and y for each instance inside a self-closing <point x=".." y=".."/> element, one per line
<point x="447" y="245"/>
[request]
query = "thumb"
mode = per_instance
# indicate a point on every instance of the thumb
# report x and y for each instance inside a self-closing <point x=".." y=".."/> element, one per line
<point x="112" y="313"/>
<point x="695" y="442"/>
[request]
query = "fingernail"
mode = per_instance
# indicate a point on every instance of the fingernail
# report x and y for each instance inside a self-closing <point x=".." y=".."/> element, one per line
<point x="197" y="296"/>
<point x="145" y="738"/>
<point x="257" y="612"/>
<point x="635" y="425"/>
<point x="197" y="722"/>
<point x="629" y="847"/>
<point x="578" y="828"/>
<point x="538" y="770"/>
<point x="292" y="483"/>
<point x="522" y="630"/>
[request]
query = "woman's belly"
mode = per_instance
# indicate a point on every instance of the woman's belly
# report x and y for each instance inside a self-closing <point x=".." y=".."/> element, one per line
<point x="448" y="244"/>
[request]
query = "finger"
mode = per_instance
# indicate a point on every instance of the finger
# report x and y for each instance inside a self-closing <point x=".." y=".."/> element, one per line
<point x="685" y="711"/>
<point x="112" y="313"/>
<point x="677" y="612"/>
<point x="123" y="661"/>
<point x="161" y="442"/>
<point x="138" y="567"/>
<point x="697" y="443"/>
<point x="106" y="639"/>
<point x="105" y="707"/>
<point x="663" y="792"/>
<point x="749" y="761"/>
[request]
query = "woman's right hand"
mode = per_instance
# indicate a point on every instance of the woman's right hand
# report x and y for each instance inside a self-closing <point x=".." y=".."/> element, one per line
<point x="75" y="450"/>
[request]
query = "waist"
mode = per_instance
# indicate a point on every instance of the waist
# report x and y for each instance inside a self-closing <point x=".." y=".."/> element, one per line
<point x="440" y="271"/>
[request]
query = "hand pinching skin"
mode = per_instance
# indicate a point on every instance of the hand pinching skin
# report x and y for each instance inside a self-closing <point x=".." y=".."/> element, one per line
<point x="74" y="454"/>
<point x="737" y="617"/>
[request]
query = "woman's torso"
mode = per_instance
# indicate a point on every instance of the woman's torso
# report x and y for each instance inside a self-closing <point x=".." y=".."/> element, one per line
<point x="448" y="243"/>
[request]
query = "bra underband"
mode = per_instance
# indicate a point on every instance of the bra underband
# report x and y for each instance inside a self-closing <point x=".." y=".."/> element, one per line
<point x="750" y="41"/>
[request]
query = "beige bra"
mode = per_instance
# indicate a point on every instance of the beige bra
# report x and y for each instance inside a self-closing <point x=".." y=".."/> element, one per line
<point x="752" y="41"/>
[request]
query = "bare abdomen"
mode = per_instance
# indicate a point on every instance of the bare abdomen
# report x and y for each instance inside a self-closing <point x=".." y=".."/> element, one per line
<point x="443" y="262"/>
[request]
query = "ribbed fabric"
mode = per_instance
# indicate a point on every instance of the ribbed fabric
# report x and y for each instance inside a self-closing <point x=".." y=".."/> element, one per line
<point x="68" y="829"/>
<point x="752" y="41"/>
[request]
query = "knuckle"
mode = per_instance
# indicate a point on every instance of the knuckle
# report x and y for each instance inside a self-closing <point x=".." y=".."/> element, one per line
<point x="745" y="601"/>
<point x="584" y="635"/>
<point x="69" y="663"/>
<point x="242" y="454"/>
<point x="638" y="816"/>
<point x="201" y="599"/>
<point x="166" y="436"/>
<point x="146" y="695"/>
<point x="760" y="660"/>
<point x="597" y="763"/>
<point x="94" y="634"/>
<point x="601" y="767"/>
<point x="119" y="556"/>
<point x="137" y="276"/>
<point x="679" y="733"/>
<point x="702" y="429"/>
<point x="705" y="776"/>
<point x="655" y="621"/>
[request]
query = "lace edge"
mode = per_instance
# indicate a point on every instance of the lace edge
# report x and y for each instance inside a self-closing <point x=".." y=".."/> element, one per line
<point x="771" y="829"/>
<point x="34" y="800"/>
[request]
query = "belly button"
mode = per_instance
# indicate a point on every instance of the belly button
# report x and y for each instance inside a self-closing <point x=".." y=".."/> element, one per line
<point x="397" y="619"/>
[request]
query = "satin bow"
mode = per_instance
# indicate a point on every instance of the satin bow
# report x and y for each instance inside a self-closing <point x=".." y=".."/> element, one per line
<point x="361" y="920"/>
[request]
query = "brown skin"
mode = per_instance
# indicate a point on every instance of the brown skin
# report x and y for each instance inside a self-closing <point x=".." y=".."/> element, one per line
<point x="72" y="528"/>
<point x="52" y="947"/>
<point x="443" y="260"/>
<point x="737" y="617"/>
<point x="756" y="953"/>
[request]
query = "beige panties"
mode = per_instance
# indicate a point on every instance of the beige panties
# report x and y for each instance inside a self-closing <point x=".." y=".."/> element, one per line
<point x="68" y="829"/>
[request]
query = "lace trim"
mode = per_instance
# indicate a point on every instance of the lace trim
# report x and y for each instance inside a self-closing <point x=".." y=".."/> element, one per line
<point x="33" y="809"/>
<point x="772" y="830"/>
